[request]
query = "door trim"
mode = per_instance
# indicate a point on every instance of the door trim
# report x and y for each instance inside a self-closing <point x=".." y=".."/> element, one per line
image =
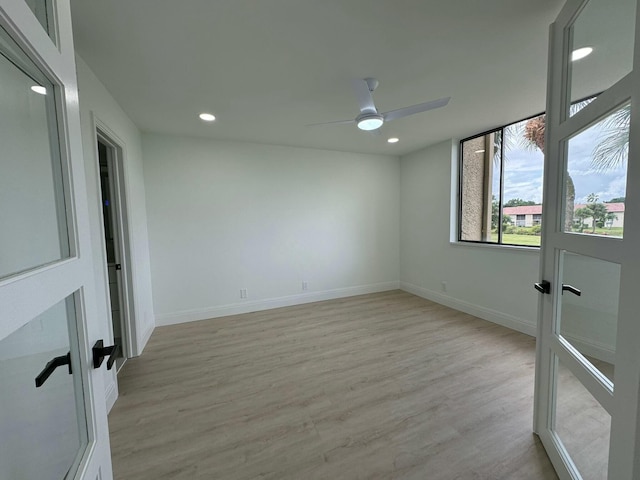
<point x="106" y="135"/>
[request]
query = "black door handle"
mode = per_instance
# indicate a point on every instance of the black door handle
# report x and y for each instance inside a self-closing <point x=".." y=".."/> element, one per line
<point x="543" y="287"/>
<point x="51" y="366"/>
<point x="100" y="351"/>
<point x="571" y="289"/>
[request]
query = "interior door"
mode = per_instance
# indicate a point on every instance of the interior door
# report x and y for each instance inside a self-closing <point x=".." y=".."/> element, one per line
<point x="588" y="355"/>
<point x="53" y="420"/>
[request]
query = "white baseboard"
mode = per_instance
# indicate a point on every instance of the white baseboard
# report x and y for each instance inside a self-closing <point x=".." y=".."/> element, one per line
<point x="142" y="342"/>
<point x="506" y="320"/>
<point x="267" y="304"/>
<point x="111" y="394"/>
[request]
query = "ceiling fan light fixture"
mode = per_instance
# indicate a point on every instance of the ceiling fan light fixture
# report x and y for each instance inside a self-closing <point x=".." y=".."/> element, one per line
<point x="369" y="121"/>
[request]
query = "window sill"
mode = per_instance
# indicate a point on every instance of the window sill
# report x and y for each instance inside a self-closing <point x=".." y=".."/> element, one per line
<point x="510" y="248"/>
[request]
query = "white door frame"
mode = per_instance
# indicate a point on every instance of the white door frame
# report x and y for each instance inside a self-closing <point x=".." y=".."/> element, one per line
<point x="118" y="179"/>
<point x="24" y="296"/>
<point x="622" y="402"/>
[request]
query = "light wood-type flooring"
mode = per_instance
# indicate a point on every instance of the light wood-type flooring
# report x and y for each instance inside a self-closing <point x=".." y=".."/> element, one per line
<point x="381" y="386"/>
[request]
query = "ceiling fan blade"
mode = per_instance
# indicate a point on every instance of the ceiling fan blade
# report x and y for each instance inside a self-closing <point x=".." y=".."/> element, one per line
<point x="339" y="122"/>
<point x="421" y="107"/>
<point x="364" y="97"/>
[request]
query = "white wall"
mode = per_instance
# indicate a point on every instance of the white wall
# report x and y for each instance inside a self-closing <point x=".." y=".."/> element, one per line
<point x="97" y="103"/>
<point x="494" y="283"/>
<point x="225" y="216"/>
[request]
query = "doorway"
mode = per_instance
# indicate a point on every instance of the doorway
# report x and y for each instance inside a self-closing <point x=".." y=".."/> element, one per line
<point x="116" y="245"/>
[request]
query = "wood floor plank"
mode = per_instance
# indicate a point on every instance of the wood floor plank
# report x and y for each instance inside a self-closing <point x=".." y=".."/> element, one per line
<point x="386" y="385"/>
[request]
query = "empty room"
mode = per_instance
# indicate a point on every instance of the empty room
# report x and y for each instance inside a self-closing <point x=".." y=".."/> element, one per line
<point x="338" y="239"/>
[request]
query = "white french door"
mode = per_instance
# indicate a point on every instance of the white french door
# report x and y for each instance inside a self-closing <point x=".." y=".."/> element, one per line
<point x="53" y="421"/>
<point x="588" y="349"/>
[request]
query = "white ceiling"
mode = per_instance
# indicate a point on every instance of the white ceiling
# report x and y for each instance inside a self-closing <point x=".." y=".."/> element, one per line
<point x="266" y="68"/>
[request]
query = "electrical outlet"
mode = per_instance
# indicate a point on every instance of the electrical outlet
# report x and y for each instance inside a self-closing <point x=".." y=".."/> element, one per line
<point x="444" y="286"/>
<point x="305" y="285"/>
<point x="243" y="293"/>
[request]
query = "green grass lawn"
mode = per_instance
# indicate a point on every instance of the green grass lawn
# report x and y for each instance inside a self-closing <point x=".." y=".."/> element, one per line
<point x="514" y="239"/>
<point x="613" y="231"/>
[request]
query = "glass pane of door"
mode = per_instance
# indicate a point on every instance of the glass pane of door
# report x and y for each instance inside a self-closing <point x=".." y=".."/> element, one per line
<point x="588" y="314"/>
<point x="596" y="183"/>
<point x="43" y="10"/>
<point x="583" y="426"/>
<point x="42" y="419"/>
<point x="601" y="47"/>
<point x="32" y="203"/>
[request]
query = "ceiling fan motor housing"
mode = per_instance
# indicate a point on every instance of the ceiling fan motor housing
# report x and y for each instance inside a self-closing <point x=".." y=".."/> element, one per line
<point x="372" y="83"/>
<point x="369" y="121"/>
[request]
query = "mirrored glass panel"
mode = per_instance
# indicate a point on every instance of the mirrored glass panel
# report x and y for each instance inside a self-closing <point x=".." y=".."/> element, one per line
<point x="32" y="207"/>
<point x="589" y="308"/>
<point x="602" y="47"/>
<point x="42" y="419"/>
<point x="43" y="10"/>
<point x="596" y="182"/>
<point x="582" y="424"/>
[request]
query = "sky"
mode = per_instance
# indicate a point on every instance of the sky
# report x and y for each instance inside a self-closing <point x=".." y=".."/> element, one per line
<point x="523" y="172"/>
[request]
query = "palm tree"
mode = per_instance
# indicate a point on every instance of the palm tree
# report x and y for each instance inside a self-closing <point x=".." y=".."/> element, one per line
<point x="613" y="150"/>
<point x="593" y="198"/>
<point x="533" y="136"/>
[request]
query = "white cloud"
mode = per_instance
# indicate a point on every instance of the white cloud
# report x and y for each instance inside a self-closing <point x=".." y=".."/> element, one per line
<point x="523" y="171"/>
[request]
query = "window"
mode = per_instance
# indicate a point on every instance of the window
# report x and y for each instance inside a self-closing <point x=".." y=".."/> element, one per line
<point x="500" y="179"/>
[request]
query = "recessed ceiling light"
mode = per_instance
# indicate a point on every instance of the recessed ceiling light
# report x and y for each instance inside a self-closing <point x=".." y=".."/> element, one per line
<point x="39" y="89"/>
<point x="207" y="117"/>
<point x="393" y="140"/>
<point x="579" y="53"/>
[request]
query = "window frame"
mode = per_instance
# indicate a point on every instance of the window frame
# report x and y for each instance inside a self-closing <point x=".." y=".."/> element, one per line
<point x="500" y="129"/>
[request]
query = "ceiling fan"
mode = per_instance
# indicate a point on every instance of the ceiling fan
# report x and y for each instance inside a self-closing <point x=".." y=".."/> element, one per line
<point x="370" y="118"/>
